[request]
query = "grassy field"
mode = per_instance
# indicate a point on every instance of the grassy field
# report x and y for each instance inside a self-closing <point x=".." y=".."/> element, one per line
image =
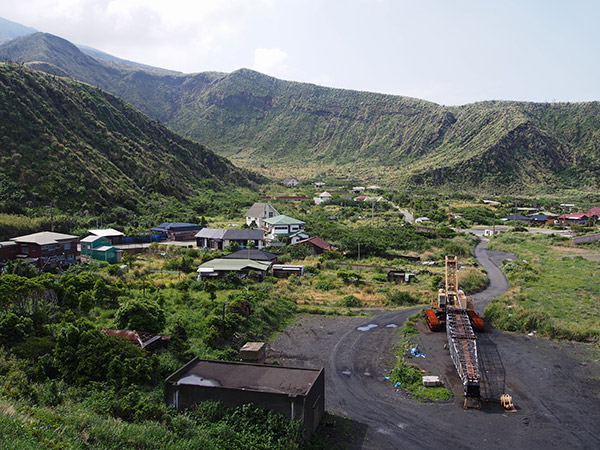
<point x="554" y="289"/>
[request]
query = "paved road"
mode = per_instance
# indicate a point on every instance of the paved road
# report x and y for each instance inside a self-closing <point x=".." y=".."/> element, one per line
<point x="558" y="408"/>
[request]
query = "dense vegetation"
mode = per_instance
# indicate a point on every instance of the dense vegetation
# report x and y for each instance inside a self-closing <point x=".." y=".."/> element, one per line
<point x="67" y="143"/>
<point x="259" y="120"/>
<point x="59" y="371"/>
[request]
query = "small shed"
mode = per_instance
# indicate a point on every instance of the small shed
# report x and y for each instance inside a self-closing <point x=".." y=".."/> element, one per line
<point x="295" y="392"/>
<point x="400" y="276"/>
<point x="285" y="270"/>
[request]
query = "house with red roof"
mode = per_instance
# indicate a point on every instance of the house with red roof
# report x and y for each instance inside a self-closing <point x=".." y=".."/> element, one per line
<point x="574" y="218"/>
<point x="318" y="245"/>
<point x="594" y="212"/>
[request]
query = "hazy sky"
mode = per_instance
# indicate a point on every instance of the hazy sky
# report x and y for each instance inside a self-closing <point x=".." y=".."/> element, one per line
<point x="447" y="51"/>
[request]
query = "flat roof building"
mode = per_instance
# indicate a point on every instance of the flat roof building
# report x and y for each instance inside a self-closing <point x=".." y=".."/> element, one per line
<point x="295" y="392"/>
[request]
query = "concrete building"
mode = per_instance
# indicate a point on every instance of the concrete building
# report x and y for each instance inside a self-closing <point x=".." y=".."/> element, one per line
<point x="297" y="393"/>
<point x="46" y="249"/>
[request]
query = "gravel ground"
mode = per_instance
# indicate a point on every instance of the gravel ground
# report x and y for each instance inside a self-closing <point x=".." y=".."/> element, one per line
<point x="555" y="385"/>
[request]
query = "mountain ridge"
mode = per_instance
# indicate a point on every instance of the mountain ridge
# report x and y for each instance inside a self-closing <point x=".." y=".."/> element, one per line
<point x="71" y="143"/>
<point x="257" y="120"/>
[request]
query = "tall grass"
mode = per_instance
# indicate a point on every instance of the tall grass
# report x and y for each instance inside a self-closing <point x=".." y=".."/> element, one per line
<point x="553" y="291"/>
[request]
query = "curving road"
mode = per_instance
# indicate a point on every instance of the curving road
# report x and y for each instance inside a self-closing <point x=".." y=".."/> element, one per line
<point x="550" y="382"/>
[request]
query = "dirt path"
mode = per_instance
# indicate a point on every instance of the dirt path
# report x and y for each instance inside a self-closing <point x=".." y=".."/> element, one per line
<point x="555" y="386"/>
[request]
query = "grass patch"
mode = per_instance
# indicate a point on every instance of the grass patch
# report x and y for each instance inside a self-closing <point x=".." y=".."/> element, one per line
<point x="553" y="289"/>
<point x="408" y="375"/>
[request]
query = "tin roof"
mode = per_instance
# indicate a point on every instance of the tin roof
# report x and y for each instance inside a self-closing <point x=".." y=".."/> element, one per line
<point x="245" y="376"/>
<point x="235" y="264"/>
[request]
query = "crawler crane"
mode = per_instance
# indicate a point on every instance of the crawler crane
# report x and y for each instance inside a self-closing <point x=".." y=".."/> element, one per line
<point x="454" y="310"/>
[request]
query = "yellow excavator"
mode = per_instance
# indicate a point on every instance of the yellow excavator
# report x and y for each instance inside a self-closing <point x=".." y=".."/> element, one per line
<point x="451" y="298"/>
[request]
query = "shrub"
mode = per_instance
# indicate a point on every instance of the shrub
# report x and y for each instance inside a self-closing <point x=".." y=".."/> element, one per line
<point x="437" y="282"/>
<point x="350" y="301"/>
<point x="324" y="285"/>
<point x="350" y="277"/>
<point x="141" y="315"/>
<point x="471" y="280"/>
<point x="313" y="270"/>
<point x="402" y="298"/>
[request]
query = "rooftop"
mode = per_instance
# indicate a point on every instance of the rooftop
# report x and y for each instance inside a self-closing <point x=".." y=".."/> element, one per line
<point x="252" y="253"/>
<point x="283" y="220"/>
<point x="244" y="376"/>
<point x="177" y="226"/>
<point x="258" y="208"/>
<point x="234" y="264"/>
<point x="107" y="232"/>
<point x="43" y="238"/>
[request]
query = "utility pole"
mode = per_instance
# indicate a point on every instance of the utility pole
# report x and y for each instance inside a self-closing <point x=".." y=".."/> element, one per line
<point x="372" y="210"/>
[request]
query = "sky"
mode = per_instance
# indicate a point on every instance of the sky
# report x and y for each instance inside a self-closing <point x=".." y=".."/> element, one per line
<point x="450" y="52"/>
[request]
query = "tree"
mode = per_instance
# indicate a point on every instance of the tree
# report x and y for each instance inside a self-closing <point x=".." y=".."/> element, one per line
<point x="141" y="315"/>
<point x="14" y="329"/>
<point x="22" y="268"/>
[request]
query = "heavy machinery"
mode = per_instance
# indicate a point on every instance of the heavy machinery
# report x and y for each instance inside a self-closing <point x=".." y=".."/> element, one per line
<point x="454" y="310"/>
<point x="451" y="298"/>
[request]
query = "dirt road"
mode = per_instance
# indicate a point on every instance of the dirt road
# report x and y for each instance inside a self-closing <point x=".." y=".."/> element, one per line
<point x="555" y="386"/>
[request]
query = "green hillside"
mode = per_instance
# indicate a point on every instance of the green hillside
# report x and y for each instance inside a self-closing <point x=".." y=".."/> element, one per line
<point x="261" y="122"/>
<point x="67" y="142"/>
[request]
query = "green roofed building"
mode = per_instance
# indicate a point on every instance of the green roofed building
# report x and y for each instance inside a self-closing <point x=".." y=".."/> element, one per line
<point x="284" y="226"/>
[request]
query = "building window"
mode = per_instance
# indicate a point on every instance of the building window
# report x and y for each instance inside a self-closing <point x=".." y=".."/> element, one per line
<point x="67" y="246"/>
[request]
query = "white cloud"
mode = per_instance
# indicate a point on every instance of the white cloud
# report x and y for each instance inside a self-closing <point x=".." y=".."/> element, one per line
<point x="271" y="61"/>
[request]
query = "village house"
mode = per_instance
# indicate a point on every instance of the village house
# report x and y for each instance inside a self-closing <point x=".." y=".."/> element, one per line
<point x="178" y="231"/>
<point x="253" y="254"/>
<point x="258" y="212"/>
<point x="100" y="248"/>
<point x="285" y="227"/>
<point x="323" y="197"/>
<point x="219" y="239"/>
<point x="594" y="213"/>
<point x="244" y="268"/>
<point x="115" y="237"/>
<point x="290" y="182"/>
<point x="516" y="217"/>
<point x="8" y="251"/>
<point x="317" y="245"/>
<point x="45" y="249"/>
<point x="573" y="219"/>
